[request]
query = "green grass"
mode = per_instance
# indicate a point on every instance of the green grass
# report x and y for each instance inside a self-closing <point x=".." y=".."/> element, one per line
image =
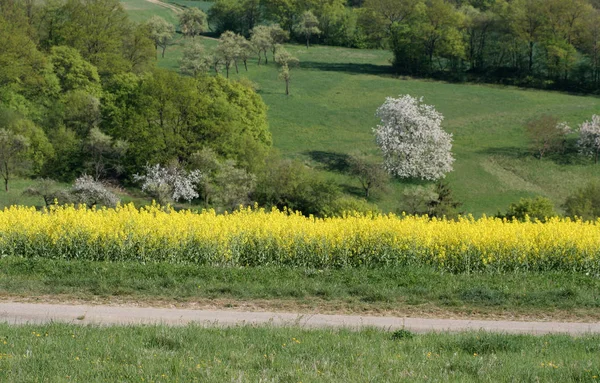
<point x="336" y="91"/>
<point x="203" y="5"/>
<point x="141" y="10"/>
<point x="70" y="353"/>
<point x="410" y="290"/>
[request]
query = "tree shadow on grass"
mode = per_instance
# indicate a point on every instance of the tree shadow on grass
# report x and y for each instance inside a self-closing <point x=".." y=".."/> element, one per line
<point x="331" y="161"/>
<point x="349" y="68"/>
<point x="567" y="156"/>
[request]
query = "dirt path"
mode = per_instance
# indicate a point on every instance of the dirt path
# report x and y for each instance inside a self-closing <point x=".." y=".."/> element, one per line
<point x="23" y="313"/>
<point x="166" y="5"/>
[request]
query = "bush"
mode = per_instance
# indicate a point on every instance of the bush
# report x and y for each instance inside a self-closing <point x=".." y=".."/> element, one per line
<point x="293" y="185"/>
<point x="584" y="203"/>
<point x="90" y="193"/>
<point x="538" y="208"/>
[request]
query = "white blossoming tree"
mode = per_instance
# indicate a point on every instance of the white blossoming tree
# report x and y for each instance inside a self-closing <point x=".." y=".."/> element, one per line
<point x="170" y="183"/>
<point x="589" y="137"/>
<point x="412" y="140"/>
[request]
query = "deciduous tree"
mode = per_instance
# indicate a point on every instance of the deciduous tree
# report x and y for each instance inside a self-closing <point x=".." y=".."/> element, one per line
<point x="192" y="22"/>
<point x="547" y="134"/>
<point x="308" y="26"/>
<point x="589" y="138"/>
<point x="286" y="61"/>
<point x="413" y="143"/>
<point x="161" y="32"/>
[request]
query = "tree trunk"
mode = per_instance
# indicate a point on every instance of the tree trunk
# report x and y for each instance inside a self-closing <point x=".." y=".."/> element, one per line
<point x="287" y="90"/>
<point x="259" y="58"/>
<point x="307" y="41"/>
<point x="163" y="51"/>
<point x="236" y="67"/>
<point x="266" y="58"/>
<point x="227" y="70"/>
<point x="246" y="65"/>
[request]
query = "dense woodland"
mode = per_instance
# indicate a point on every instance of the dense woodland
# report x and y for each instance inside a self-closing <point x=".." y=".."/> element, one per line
<point x="539" y="43"/>
<point x="79" y="88"/>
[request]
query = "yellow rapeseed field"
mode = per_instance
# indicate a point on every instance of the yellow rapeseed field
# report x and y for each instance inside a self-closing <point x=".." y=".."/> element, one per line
<point x="253" y="237"/>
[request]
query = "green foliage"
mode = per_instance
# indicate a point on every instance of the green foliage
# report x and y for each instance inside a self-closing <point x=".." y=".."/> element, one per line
<point x="99" y="30"/>
<point x="291" y="184"/>
<point x="73" y="72"/>
<point x="538" y="208"/>
<point x="445" y="204"/>
<point x="223" y="184"/>
<point x="584" y="202"/>
<point x="239" y="16"/>
<point x="13" y="155"/>
<point x="418" y="200"/>
<point x="166" y="116"/>
<point x="161" y="32"/>
<point x="194" y="60"/>
<point x="192" y="22"/>
<point x="371" y="175"/>
<point x="308" y="26"/>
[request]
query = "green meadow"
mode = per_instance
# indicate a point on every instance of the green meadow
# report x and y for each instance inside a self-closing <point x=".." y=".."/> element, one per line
<point x="331" y="113"/>
<point x="71" y="353"/>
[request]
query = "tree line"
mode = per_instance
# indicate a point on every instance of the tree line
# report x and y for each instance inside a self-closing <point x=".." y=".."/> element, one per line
<point x="80" y="94"/>
<point x="540" y="43"/>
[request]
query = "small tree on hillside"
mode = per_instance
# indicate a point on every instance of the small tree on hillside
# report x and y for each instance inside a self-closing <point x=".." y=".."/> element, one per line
<point x="413" y="143"/>
<point x="308" y="26"/>
<point x="104" y="153"/>
<point x="244" y="50"/>
<point x="589" y="138"/>
<point x="227" y="50"/>
<point x="278" y="37"/>
<point x="260" y="37"/>
<point x="88" y="192"/>
<point x="195" y="60"/>
<point x="13" y="153"/>
<point x="161" y="32"/>
<point x="371" y="175"/>
<point x="169" y="183"/>
<point x="286" y="61"/>
<point x="546" y="134"/>
<point x="192" y="22"/>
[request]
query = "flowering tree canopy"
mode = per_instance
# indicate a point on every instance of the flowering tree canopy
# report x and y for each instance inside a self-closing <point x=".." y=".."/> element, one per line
<point x="589" y="137"/>
<point x="412" y="140"/>
<point x="170" y="183"/>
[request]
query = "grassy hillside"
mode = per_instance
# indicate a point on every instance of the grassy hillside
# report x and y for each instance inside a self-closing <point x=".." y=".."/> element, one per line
<point x="330" y="113"/>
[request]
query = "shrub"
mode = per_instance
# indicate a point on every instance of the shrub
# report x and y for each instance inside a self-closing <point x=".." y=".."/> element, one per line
<point x="538" y="208"/>
<point x="584" y="202"/>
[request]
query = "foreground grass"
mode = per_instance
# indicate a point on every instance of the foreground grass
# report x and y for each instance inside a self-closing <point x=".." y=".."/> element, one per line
<point x="410" y="291"/>
<point x="62" y="353"/>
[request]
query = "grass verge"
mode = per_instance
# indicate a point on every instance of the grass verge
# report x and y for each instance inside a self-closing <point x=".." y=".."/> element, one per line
<point x="393" y="291"/>
<point x="64" y="353"/>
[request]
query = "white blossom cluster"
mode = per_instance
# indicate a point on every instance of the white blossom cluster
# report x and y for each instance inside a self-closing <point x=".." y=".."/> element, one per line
<point x="412" y="140"/>
<point x="172" y="182"/>
<point x="87" y="191"/>
<point x="589" y="136"/>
